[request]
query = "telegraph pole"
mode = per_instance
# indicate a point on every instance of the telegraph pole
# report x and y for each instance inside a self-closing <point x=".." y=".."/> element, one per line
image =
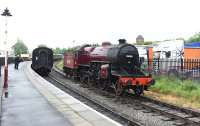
<point x="7" y="14"/>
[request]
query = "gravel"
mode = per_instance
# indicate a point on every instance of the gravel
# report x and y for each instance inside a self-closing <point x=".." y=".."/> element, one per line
<point x="118" y="103"/>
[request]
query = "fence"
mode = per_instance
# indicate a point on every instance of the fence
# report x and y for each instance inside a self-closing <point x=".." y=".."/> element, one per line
<point x="183" y="68"/>
<point x="2" y="60"/>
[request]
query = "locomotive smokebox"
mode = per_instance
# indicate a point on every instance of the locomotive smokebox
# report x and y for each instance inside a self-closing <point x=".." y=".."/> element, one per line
<point x="122" y="41"/>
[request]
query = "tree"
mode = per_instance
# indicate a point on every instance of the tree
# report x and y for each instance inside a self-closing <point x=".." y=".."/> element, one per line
<point x="58" y="50"/>
<point x="20" y="48"/>
<point x="147" y="42"/>
<point x="70" y="50"/>
<point x="194" y="38"/>
<point x="96" y="44"/>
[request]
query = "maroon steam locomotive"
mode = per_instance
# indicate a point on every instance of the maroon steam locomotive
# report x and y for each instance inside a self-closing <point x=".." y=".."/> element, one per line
<point x="116" y="66"/>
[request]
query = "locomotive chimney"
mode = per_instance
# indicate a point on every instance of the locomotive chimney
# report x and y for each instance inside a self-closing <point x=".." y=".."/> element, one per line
<point x="122" y="41"/>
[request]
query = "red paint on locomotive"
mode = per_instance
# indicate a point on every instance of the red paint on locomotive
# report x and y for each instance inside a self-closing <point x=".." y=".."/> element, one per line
<point x="83" y="55"/>
<point x="79" y="57"/>
<point x="100" y="53"/>
<point x="70" y="61"/>
<point x="92" y="64"/>
<point x="131" y="81"/>
<point x="104" y="73"/>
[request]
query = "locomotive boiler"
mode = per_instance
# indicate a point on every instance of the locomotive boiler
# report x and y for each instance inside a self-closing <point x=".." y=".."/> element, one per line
<point x="108" y="65"/>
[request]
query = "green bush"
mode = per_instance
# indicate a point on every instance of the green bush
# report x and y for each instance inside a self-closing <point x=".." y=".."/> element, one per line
<point x="59" y="65"/>
<point x="182" y="88"/>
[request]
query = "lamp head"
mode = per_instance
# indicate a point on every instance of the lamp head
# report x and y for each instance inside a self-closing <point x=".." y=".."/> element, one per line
<point x="6" y="13"/>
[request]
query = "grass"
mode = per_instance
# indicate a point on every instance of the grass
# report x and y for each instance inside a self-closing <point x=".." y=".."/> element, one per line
<point x="184" y="92"/>
<point x="172" y="90"/>
<point x="59" y="65"/>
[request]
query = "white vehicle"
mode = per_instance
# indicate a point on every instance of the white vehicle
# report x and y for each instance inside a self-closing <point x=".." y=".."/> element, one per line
<point x="172" y="49"/>
<point x="168" y="55"/>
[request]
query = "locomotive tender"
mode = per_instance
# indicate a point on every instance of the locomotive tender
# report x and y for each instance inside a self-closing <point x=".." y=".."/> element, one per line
<point x="42" y="60"/>
<point x="108" y="65"/>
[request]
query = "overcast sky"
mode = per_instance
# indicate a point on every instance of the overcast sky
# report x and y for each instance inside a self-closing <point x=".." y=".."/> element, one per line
<point x="57" y="23"/>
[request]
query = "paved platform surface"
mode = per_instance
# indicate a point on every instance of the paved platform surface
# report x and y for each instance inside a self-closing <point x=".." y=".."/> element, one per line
<point x="25" y="106"/>
<point x="35" y="102"/>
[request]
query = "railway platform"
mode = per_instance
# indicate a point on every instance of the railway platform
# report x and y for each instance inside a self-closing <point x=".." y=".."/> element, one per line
<point x="32" y="101"/>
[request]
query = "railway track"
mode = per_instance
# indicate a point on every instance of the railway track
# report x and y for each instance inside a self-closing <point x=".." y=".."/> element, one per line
<point x="116" y="115"/>
<point x="188" y="116"/>
<point x="180" y="116"/>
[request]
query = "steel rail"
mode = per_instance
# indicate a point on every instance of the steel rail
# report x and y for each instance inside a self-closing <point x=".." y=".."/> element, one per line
<point x="125" y="118"/>
<point x="163" y="109"/>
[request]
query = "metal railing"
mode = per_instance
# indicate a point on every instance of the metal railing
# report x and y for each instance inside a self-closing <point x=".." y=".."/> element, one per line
<point x="182" y="68"/>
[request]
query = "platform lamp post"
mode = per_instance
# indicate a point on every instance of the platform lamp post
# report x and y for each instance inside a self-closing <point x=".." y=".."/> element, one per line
<point x="7" y="14"/>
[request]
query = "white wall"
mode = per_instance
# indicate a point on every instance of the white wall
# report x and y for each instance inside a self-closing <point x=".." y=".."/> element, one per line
<point x="174" y="46"/>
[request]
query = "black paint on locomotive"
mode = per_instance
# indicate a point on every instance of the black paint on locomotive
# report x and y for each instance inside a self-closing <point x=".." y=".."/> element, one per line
<point x="116" y="66"/>
<point x="42" y="60"/>
<point x="124" y="57"/>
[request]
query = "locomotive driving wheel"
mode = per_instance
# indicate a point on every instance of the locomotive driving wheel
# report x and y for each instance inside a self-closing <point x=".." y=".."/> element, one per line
<point x="118" y="88"/>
